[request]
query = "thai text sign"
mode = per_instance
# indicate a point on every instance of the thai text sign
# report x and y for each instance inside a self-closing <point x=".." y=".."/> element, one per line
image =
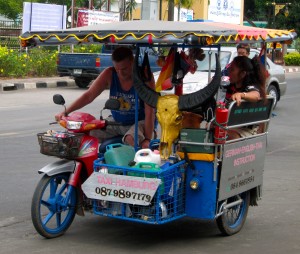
<point x="225" y="11"/>
<point x="242" y="167"/>
<point x="90" y="17"/>
<point x="121" y="188"/>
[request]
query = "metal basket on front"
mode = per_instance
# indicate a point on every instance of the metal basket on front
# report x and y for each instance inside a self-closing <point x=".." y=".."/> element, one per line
<point x="62" y="145"/>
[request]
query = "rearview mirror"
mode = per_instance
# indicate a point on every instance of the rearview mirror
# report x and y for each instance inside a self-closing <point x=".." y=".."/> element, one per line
<point x="58" y="99"/>
<point x="225" y="81"/>
<point x="112" y="104"/>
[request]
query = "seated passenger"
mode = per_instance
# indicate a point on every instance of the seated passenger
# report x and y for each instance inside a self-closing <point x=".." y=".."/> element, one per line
<point x="247" y="82"/>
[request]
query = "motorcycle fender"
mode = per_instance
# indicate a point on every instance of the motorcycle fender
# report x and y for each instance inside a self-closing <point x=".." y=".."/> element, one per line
<point x="58" y="167"/>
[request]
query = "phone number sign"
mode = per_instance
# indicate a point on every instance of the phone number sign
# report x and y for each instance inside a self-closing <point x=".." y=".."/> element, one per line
<point x="121" y="188"/>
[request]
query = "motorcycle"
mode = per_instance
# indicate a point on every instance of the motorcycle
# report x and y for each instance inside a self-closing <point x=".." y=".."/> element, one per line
<point x="58" y="195"/>
<point x="202" y="174"/>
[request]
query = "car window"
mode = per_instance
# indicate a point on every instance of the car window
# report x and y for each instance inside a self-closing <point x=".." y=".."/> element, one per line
<point x="204" y="65"/>
<point x="252" y="54"/>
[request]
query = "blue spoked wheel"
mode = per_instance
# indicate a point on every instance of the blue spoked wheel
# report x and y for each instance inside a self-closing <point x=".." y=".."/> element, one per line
<point x="51" y="213"/>
<point x="233" y="218"/>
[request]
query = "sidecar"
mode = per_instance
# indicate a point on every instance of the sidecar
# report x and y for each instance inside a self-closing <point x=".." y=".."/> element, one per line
<point x="202" y="178"/>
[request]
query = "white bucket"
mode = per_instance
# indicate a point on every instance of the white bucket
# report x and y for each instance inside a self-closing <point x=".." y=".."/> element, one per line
<point x="147" y="155"/>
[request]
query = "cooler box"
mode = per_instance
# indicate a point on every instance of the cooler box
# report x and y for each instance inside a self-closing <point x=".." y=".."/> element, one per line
<point x="196" y="135"/>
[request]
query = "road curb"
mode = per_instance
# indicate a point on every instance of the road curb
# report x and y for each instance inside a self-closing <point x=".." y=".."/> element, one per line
<point x="292" y="69"/>
<point x="10" y="86"/>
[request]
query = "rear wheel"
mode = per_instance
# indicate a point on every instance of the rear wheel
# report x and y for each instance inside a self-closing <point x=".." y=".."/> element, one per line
<point x="82" y="82"/>
<point x="51" y="213"/>
<point x="233" y="218"/>
<point x="272" y="91"/>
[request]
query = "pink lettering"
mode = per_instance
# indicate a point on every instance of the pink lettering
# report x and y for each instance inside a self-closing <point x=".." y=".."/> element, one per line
<point x="244" y="160"/>
<point x="243" y="149"/>
<point x="136" y="184"/>
<point x="104" y="180"/>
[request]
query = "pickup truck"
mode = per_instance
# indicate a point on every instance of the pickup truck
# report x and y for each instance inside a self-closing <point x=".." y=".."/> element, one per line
<point x="85" y="67"/>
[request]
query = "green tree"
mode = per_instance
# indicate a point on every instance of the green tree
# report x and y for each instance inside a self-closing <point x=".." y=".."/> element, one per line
<point x="130" y="5"/>
<point x="263" y="10"/>
<point x="289" y="18"/>
<point x="13" y="9"/>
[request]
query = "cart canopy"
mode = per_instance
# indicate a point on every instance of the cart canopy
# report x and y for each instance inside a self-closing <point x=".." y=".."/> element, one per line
<point x="157" y="32"/>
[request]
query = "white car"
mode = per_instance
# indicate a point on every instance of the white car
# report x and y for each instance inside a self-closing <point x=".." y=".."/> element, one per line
<point x="276" y="83"/>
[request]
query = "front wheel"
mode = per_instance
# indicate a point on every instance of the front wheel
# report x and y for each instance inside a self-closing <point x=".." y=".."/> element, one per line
<point x="233" y="218"/>
<point x="51" y="211"/>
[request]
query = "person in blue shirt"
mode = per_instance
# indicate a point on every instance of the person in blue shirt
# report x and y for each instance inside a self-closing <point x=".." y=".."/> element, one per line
<point x="119" y="80"/>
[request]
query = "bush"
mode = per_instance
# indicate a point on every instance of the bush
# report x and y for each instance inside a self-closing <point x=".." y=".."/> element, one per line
<point x="36" y="62"/>
<point x="292" y="59"/>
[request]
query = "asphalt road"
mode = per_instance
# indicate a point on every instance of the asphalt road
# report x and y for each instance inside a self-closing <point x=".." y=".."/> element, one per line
<point x="272" y="227"/>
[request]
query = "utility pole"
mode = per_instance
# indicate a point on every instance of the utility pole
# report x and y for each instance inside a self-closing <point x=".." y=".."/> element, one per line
<point x="122" y="9"/>
<point x="73" y="4"/>
<point x="171" y="10"/>
<point x="178" y="13"/>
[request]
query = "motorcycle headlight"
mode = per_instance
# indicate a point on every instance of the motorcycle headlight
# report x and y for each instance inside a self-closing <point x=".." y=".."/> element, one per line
<point x="72" y="125"/>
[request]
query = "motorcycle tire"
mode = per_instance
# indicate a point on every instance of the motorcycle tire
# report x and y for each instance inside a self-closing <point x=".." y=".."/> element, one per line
<point x="233" y="219"/>
<point x="50" y="216"/>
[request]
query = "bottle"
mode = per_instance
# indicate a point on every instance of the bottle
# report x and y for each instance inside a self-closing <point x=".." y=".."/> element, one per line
<point x="220" y="123"/>
<point x="147" y="155"/>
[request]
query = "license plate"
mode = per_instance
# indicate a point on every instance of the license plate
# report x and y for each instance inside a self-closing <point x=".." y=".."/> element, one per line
<point x="77" y="71"/>
<point x="121" y="188"/>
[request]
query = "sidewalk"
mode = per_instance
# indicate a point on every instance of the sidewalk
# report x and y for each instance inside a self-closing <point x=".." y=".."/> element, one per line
<point x="47" y="82"/>
<point x="32" y="83"/>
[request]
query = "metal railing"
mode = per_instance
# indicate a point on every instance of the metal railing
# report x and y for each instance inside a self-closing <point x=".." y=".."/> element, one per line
<point x="9" y="34"/>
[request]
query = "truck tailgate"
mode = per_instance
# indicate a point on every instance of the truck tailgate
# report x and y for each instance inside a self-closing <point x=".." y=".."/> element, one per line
<point x="81" y="60"/>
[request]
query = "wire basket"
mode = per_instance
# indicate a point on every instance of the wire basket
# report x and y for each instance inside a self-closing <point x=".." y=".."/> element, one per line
<point x="167" y="204"/>
<point x="62" y="145"/>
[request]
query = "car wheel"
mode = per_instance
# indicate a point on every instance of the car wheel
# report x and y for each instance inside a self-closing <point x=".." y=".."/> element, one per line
<point x="82" y="82"/>
<point x="273" y="91"/>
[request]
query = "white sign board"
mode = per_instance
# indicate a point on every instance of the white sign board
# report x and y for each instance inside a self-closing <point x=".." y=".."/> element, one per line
<point x="184" y="14"/>
<point x="225" y="11"/>
<point x="149" y="10"/>
<point x="242" y="166"/>
<point x="121" y="188"/>
<point x="41" y="17"/>
<point x="90" y="17"/>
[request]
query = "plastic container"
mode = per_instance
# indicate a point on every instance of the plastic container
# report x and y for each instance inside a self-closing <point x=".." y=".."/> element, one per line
<point x="147" y="155"/>
<point x="119" y="155"/>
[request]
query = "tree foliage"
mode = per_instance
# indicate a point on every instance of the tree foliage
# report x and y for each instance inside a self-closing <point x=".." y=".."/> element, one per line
<point x="130" y="5"/>
<point x="263" y="10"/>
<point x="13" y="9"/>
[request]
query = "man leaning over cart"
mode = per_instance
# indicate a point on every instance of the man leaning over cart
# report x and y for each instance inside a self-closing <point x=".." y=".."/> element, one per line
<point x="119" y="80"/>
